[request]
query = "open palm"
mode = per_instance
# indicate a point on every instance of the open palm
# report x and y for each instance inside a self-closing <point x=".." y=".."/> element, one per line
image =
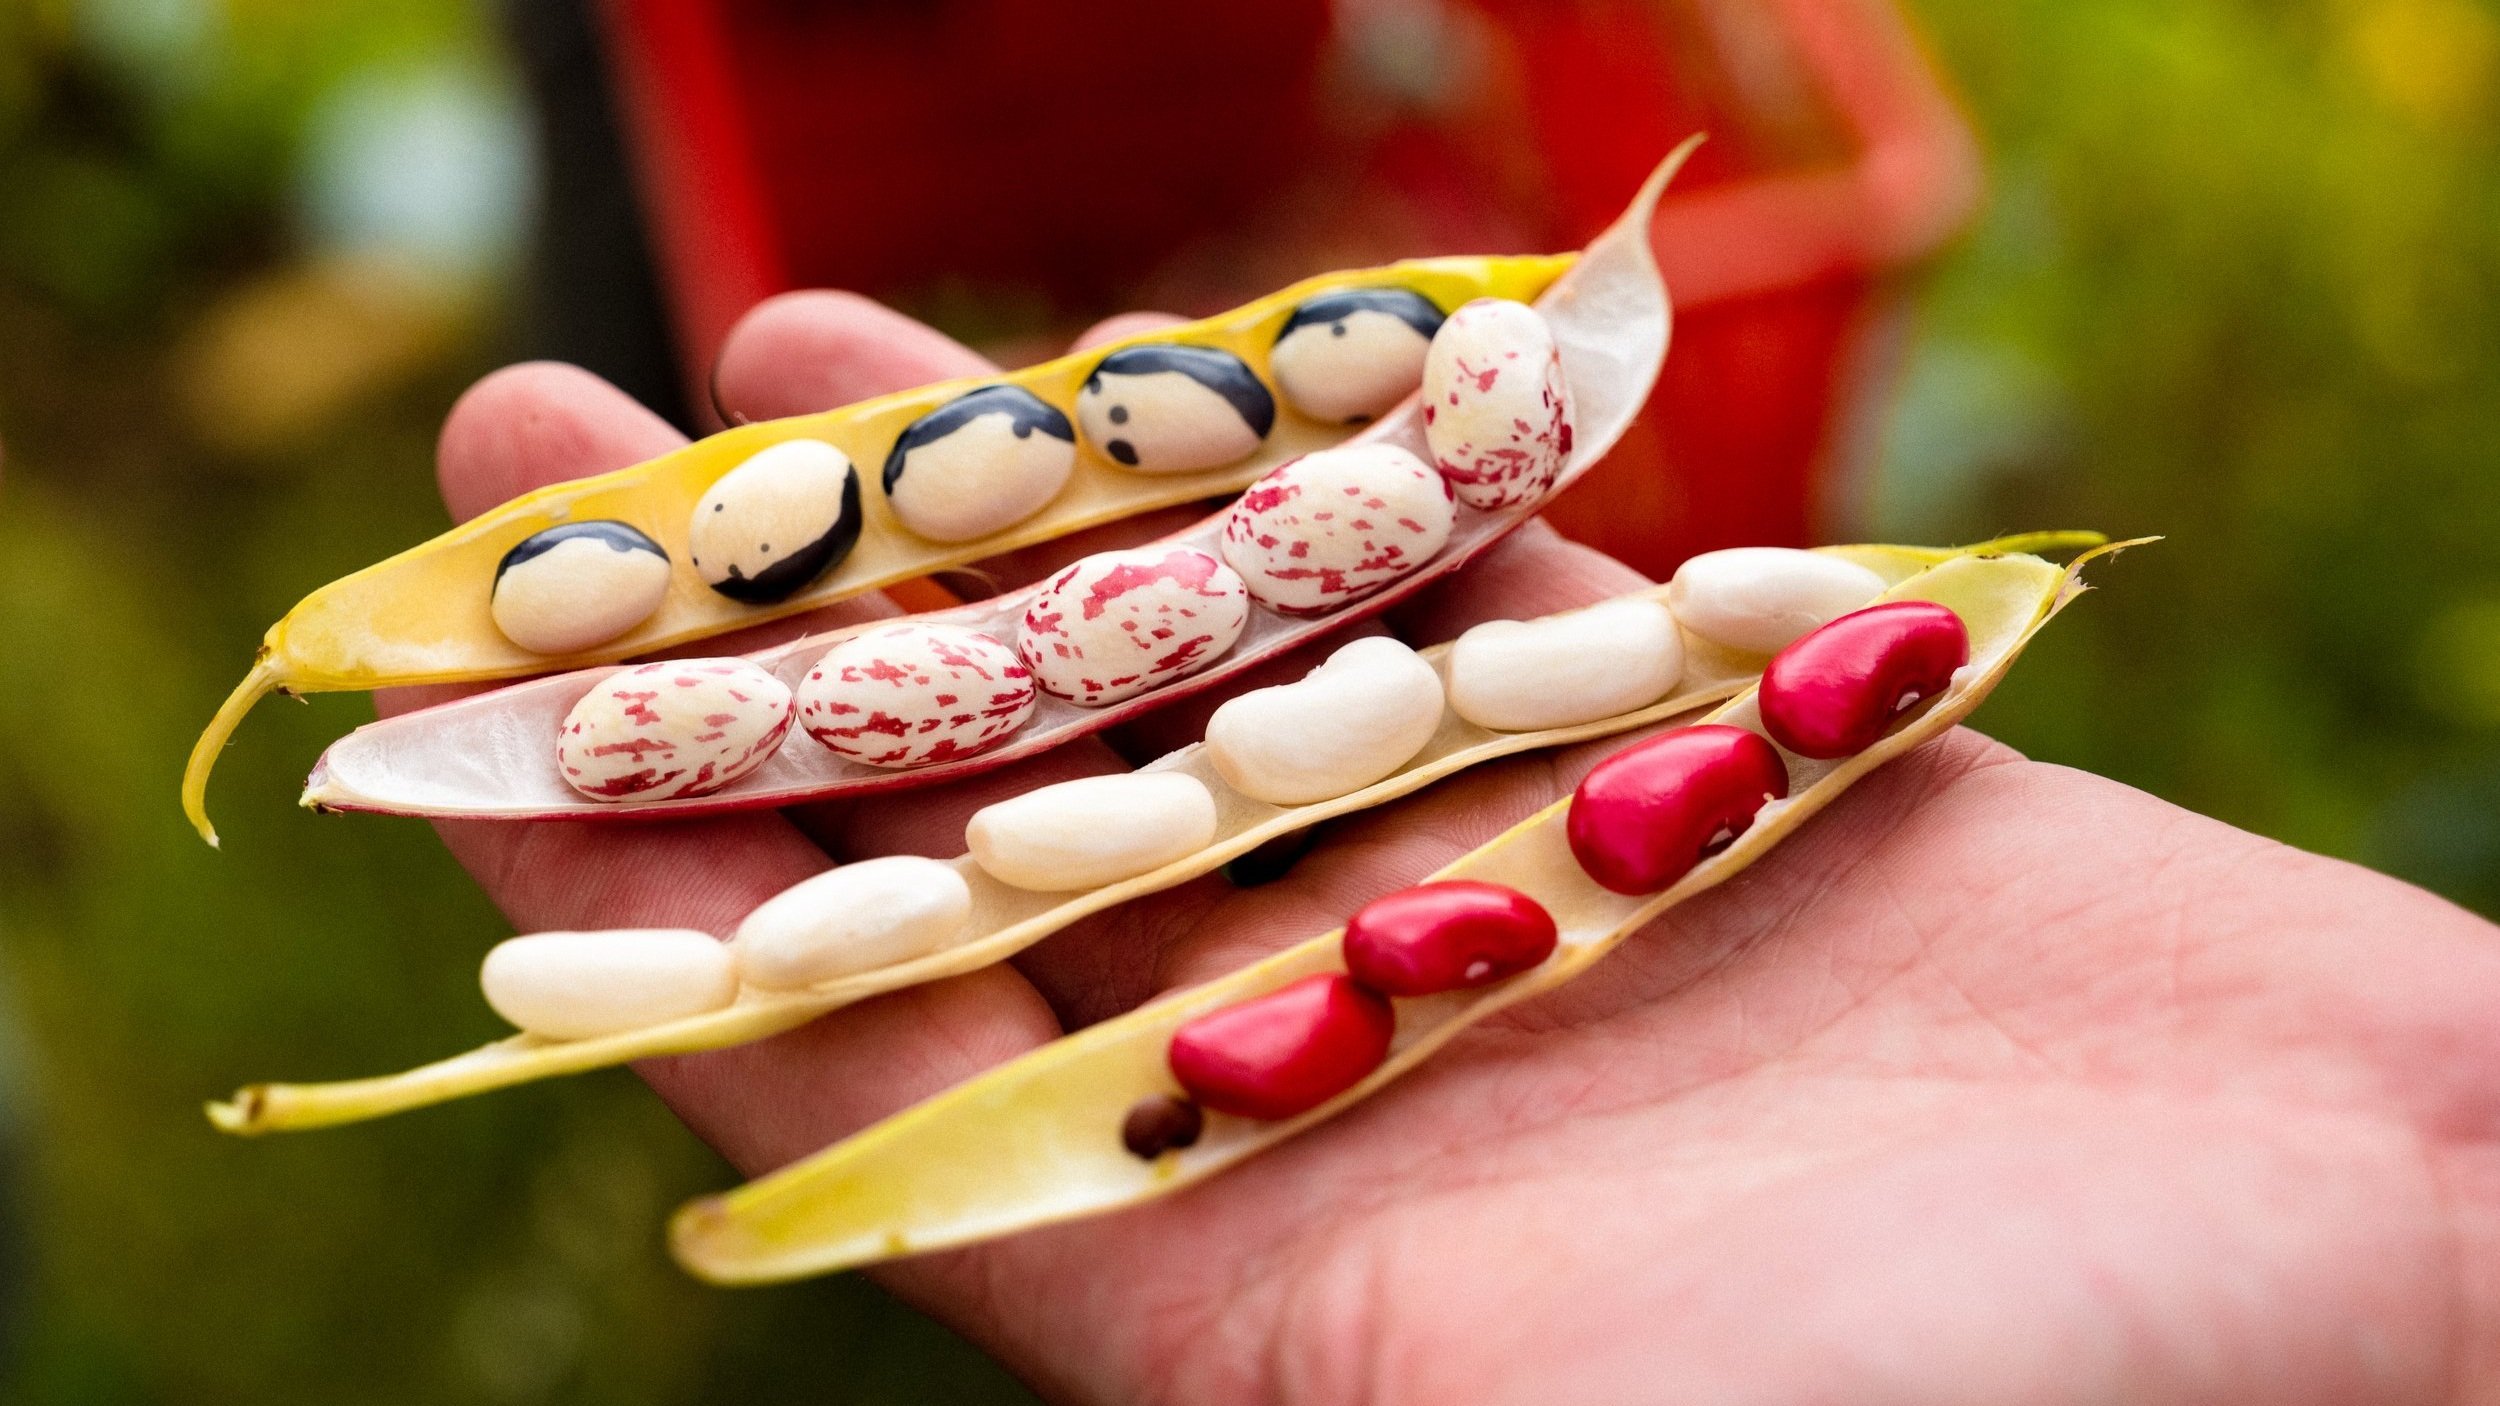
<point x="1997" y="1082"/>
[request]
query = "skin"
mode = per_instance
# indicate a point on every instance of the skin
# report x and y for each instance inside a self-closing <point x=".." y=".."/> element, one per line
<point x="1997" y="1082"/>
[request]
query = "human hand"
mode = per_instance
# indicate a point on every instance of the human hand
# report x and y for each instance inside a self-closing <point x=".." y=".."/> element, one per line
<point x="1996" y="1082"/>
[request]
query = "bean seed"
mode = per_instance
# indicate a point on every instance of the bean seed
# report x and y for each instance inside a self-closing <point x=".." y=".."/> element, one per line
<point x="1336" y="525"/>
<point x="851" y="919"/>
<point x="1835" y="691"/>
<point x="915" y="695"/>
<point x="1115" y="624"/>
<point x="1447" y="936"/>
<point x="1523" y="675"/>
<point x="1160" y="1123"/>
<point x="773" y="524"/>
<point x="982" y="462"/>
<point x="1757" y="599"/>
<point x="1645" y="816"/>
<point x="1164" y="408"/>
<point x="1091" y="832"/>
<point x="1350" y="356"/>
<point x="1286" y="1052"/>
<point x="1497" y="414"/>
<point x="581" y="985"/>
<point x="577" y="585"/>
<point x="1356" y="718"/>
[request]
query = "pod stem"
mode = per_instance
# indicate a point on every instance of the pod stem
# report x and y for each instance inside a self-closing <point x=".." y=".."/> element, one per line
<point x="257" y="684"/>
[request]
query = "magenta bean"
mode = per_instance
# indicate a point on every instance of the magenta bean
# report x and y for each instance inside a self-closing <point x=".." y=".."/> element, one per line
<point x="1446" y="937"/>
<point x="1646" y="815"/>
<point x="1286" y="1052"/>
<point x="1833" y="692"/>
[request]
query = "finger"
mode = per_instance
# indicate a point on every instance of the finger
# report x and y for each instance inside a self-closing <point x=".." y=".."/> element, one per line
<point x="537" y="423"/>
<point x="804" y="352"/>
<point x="1124" y="324"/>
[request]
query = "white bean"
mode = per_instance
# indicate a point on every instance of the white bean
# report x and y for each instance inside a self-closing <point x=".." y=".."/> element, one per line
<point x="1759" y="599"/>
<point x="852" y="919"/>
<point x="1522" y="675"/>
<point x="581" y="985"/>
<point x="1353" y="720"/>
<point x="1099" y="830"/>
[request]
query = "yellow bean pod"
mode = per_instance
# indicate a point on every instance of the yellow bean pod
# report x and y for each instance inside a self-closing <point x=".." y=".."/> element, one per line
<point x="1038" y="1140"/>
<point x="424" y="615"/>
<point x="1007" y="920"/>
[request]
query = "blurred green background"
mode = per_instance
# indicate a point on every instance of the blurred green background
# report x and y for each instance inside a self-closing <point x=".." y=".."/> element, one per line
<point x="2236" y="284"/>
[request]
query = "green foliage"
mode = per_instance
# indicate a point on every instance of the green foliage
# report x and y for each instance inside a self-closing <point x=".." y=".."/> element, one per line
<point x="2239" y="285"/>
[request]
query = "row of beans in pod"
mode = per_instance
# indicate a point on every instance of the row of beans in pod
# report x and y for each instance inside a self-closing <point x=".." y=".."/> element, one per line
<point x="774" y="518"/>
<point x="1144" y="1104"/>
<point x="995" y="455"/>
<point x="1374" y="721"/>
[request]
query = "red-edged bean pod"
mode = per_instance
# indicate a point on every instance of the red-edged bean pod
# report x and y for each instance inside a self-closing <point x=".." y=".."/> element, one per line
<point x="1446" y="937"/>
<point x="1649" y="813"/>
<point x="1286" y="1052"/>
<point x="1833" y="692"/>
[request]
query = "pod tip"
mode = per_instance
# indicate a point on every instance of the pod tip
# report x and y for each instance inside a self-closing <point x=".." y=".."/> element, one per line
<point x="693" y="1239"/>
<point x="239" y="1115"/>
<point x="262" y="678"/>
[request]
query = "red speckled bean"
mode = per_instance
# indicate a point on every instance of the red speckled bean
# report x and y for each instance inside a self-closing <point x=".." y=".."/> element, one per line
<point x="1286" y="1052"/>
<point x="1646" y="815"/>
<point x="1832" y="693"/>
<point x="1446" y="937"/>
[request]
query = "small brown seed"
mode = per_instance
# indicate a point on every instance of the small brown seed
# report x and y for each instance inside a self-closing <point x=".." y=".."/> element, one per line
<point x="1160" y="1123"/>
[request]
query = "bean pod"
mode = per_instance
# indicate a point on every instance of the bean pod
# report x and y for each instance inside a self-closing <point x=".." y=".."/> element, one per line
<point x="1039" y="1139"/>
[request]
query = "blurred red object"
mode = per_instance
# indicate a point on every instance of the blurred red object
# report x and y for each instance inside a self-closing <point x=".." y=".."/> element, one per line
<point x="1071" y="160"/>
